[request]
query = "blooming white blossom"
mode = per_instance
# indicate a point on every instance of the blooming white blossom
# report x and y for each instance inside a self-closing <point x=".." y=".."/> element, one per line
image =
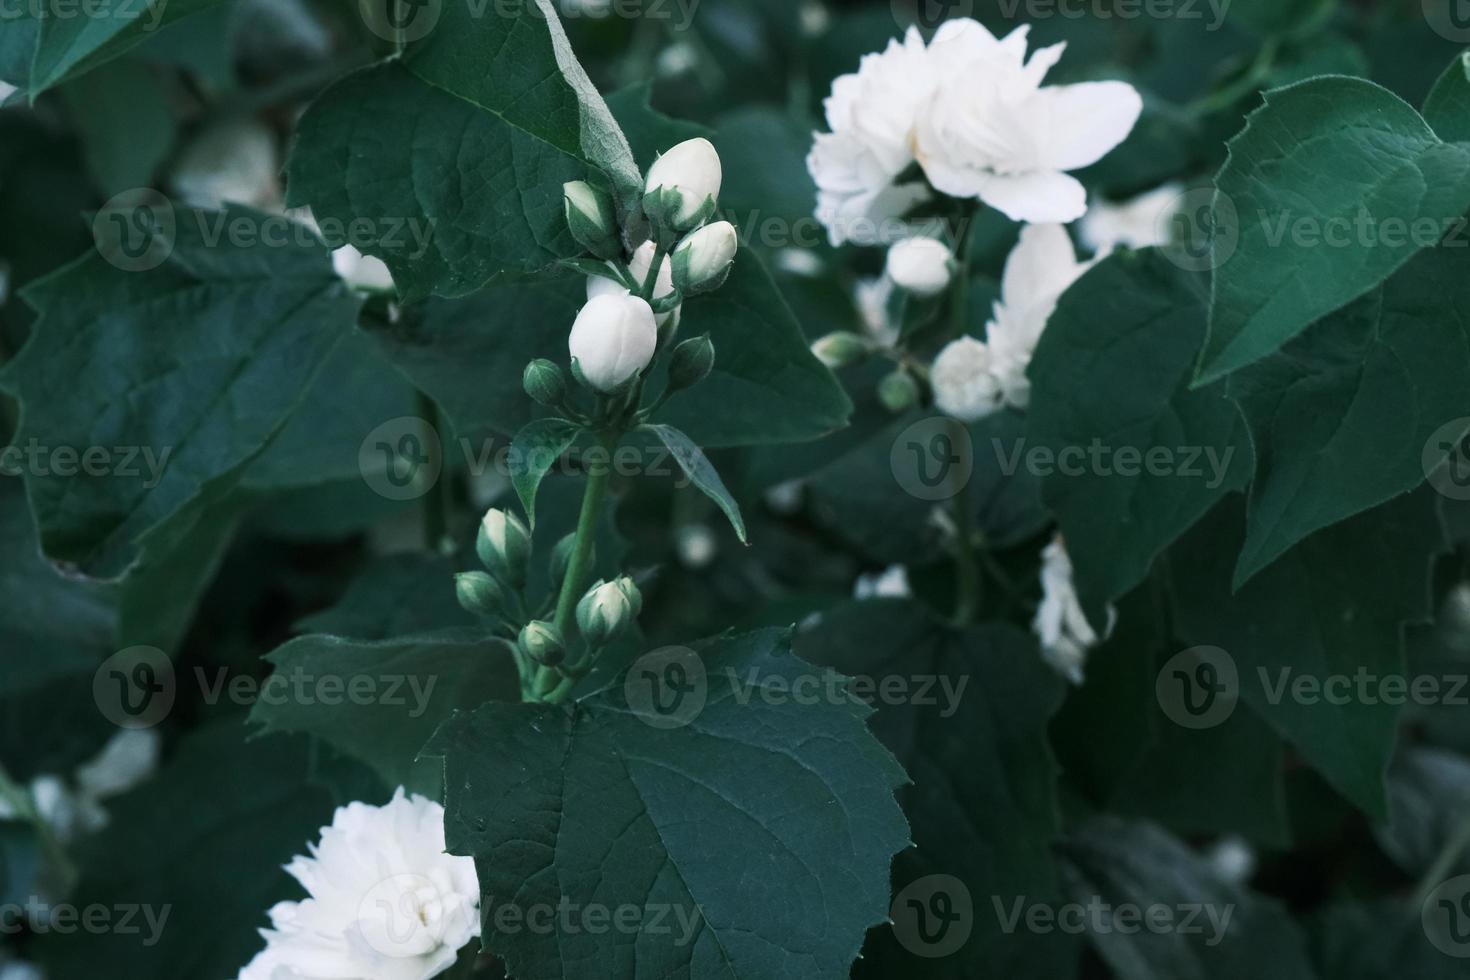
<point x="971" y="110"/>
<point x="384" y="902"/>
<point x="1061" y="625"/>
<point x="1041" y="267"/>
<point x="613" y="339"/>
<point x="891" y="583"/>
<point x="922" y="266"/>
<point x="367" y="272"/>
<point x="1136" y="223"/>
<point x="233" y="161"/>
<point x="639" y="265"/>
<point x="964" y="380"/>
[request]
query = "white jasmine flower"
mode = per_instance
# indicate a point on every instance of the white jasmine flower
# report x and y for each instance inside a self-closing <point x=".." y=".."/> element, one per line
<point x="1233" y="859"/>
<point x="815" y="18"/>
<point x="799" y="262"/>
<point x="994" y="132"/>
<point x="922" y="266"/>
<point x="1137" y="223"/>
<point x="233" y="161"/>
<point x="1061" y="625"/>
<point x="891" y="583"/>
<point x="73" y="808"/>
<point x="1041" y="267"/>
<point x="696" y="545"/>
<point x="701" y="262"/>
<point x="785" y="498"/>
<point x="385" y="902"/>
<point x="366" y="272"/>
<point x="690" y="175"/>
<point x="639" y="265"/>
<point x="613" y="339"/>
<point x="964" y="380"/>
<point x="872" y="297"/>
<point x="676" y="59"/>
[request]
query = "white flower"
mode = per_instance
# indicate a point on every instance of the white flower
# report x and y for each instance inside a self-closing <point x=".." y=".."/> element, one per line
<point x="232" y="161"/>
<point x="691" y="171"/>
<point x="872" y="297"/>
<point x="786" y="498"/>
<point x="1041" y="267"/>
<point x="922" y="266"/>
<point x="964" y="381"/>
<point x="366" y="272"/>
<point x="613" y="339"/>
<point x="1137" y="223"/>
<point x="871" y="116"/>
<point x="74" y="807"/>
<point x="891" y="583"/>
<point x="385" y="901"/>
<point x="993" y="132"/>
<point x="701" y="261"/>
<point x="1066" y="635"/>
<point x="1232" y="859"/>
<point x="696" y="545"/>
<point x="639" y="265"/>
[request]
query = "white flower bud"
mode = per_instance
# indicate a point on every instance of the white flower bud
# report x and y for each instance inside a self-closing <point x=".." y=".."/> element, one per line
<point x="840" y="349"/>
<point x="613" y="340"/>
<point x="607" y="609"/>
<point x="638" y="266"/>
<point x="922" y="266"/>
<point x="480" y="593"/>
<point x="684" y="184"/>
<point x="964" y="381"/>
<point x="703" y="259"/>
<point x="592" y="219"/>
<point x="540" y="641"/>
<point x="504" y="546"/>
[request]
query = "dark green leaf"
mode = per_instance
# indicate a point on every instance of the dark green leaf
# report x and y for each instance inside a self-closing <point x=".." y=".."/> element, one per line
<point x="533" y="452"/>
<point x="649" y="131"/>
<point x="701" y="472"/>
<point x="121" y="112"/>
<point x="67" y="46"/>
<point x="1448" y="106"/>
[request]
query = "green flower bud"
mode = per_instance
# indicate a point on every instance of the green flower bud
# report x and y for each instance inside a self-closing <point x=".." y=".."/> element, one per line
<point x="840" y="349"/>
<point x="480" y="594"/>
<point x="592" y="219"/>
<point x="607" y="609"/>
<point x="544" y="382"/>
<point x="691" y="362"/>
<point x="504" y="546"/>
<point x="702" y="261"/>
<point x="540" y="641"/>
<point x="898" y="392"/>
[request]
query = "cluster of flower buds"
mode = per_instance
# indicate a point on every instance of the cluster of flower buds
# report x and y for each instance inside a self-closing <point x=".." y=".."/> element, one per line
<point x="504" y="547"/>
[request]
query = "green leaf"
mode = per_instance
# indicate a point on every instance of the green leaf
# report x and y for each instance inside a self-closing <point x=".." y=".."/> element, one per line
<point x="969" y="725"/>
<point x="1330" y="160"/>
<point x="122" y="114"/>
<point x="1345" y="416"/>
<point x="181" y="375"/>
<point x="591" y="804"/>
<point x="1385" y="937"/>
<point x="1112" y="373"/>
<point x="462" y="146"/>
<point x="1448" y="107"/>
<point x="1332" y="607"/>
<point x="396" y="595"/>
<point x="67" y="46"/>
<point x="701" y="472"/>
<point x="1135" y="864"/>
<point x="379" y="701"/>
<point x="533" y="452"/>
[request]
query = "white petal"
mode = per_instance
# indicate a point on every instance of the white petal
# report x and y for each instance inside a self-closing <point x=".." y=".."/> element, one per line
<point x="1035" y="197"/>
<point x="1077" y="125"/>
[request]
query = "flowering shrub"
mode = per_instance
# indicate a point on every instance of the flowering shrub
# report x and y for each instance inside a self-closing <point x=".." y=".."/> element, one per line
<point x="729" y="488"/>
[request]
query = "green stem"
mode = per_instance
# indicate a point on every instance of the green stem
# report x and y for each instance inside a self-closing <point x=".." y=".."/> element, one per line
<point x="577" y="566"/>
<point x="959" y="309"/>
<point x="967" y="566"/>
<point x="650" y="282"/>
<point x="437" y="500"/>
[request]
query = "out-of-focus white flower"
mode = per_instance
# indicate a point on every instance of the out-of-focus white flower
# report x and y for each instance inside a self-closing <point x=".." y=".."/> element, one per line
<point x="613" y="340"/>
<point x="815" y="18"/>
<point x="964" y="380"/>
<point x="891" y="583"/>
<point x="1061" y="625"/>
<point x="872" y="297"/>
<point x="639" y="265"/>
<point x="20" y="970"/>
<point x="385" y="900"/>
<point x="1041" y="267"/>
<point x="1233" y="859"/>
<point x="74" y="807"/>
<point x="233" y="161"/>
<point x="922" y="266"/>
<point x="785" y="498"/>
<point x="994" y="132"/>
<point x="366" y="272"/>
<point x="696" y="545"/>
<point x="871" y="116"/>
<point x="799" y="262"/>
<point x="689" y="177"/>
<point x="676" y="59"/>
<point x="1136" y="223"/>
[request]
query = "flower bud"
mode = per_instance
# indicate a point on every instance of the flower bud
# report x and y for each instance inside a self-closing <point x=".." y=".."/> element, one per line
<point x="592" y="219"/>
<point x="683" y="186"/>
<point x="838" y="350"/>
<point x="607" y="609"/>
<point x="691" y="362"/>
<point x="964" y="380"/>
<point x="540" y="641"/>
<point x="504" y="546"/>
<point x="921" y="266"/>
<point x="613" y="340"/>
<point x="663" y="286"/>
<point x="702" y="261"/>
<point x="898" y="392"/>
<point x="479" y="593"/>
<point x="544" y="382"/>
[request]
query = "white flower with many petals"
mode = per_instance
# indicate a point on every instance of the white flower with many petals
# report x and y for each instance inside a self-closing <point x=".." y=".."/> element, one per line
<point x="385" y="901"/>
<point x="964" y="380"/>
<point x="1061" y="625"/>
<point x="1041" y="267"/>
<point x="1136" y="223"/>
<point x="994" y="132"/>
